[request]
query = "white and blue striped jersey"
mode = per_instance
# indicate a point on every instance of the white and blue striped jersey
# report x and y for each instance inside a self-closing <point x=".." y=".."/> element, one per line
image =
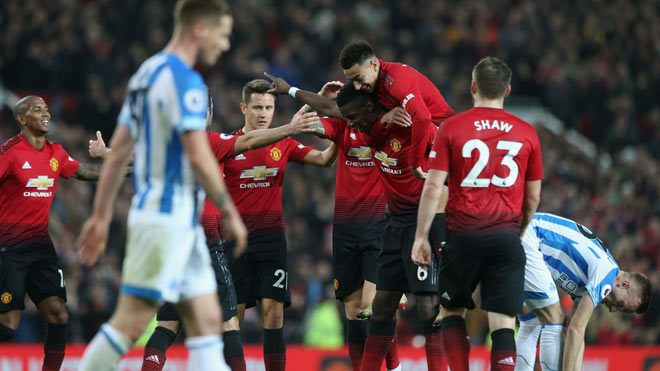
<point x="575" y="257"/>
<point x="165" y="98"/>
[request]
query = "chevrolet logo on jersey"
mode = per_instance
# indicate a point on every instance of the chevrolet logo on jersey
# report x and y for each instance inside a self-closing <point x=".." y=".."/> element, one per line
<point x="41" y="183"/>
<point x="259" y="173"/>
<point x="362" y="153"/>
<point x="385" y="160"/>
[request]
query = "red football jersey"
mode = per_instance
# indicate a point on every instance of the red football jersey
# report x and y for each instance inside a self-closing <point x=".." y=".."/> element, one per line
<point x="254" y="180"/>
<point x="392" y="146"/>
<point x="28" y="179"/>
<point x="489" y="154"/>
<point x="359" y="197"/>
<point x="401" y="85"/>
<point x="222" y="146"/>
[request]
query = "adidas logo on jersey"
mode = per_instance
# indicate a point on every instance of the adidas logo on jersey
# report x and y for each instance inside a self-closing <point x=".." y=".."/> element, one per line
<point x="240" y="157"/>
<point x="26" y="165"/>
<point x="506" y="361"/>
<point x="153" y="358"/>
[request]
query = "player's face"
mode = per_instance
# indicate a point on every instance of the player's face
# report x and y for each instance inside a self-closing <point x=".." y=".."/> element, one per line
<point x="363" y="76"/>
<point x="360" y="117"/>
<point x="37" y="118"/>
<point x="620" y="300"/>
<point x="214" y="39"/>
<point x="259" y="111"/>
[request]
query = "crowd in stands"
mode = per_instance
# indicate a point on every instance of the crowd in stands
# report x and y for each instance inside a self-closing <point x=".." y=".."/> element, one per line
<point x="594" y="64"/>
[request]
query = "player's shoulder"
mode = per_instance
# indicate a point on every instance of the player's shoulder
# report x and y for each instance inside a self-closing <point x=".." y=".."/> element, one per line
<point x="215" y="136"/>
<point x="9" y="144"/>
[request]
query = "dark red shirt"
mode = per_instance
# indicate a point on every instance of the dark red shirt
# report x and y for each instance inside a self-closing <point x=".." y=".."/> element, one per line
<point x="254" y="180"/>
<point x="359" y="197"/>
<point x="401" y="85"/>
<point x="391" y="148"/>
<point x="489" y="154"/>
<point x="28" y="179"/>
<point x="222" y="146"/>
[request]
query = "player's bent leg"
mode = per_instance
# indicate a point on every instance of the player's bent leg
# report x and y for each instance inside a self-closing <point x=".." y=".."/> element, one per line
<point x="552" y="336"/>
<point x="118" y="335"/>
<point x="272" y="317"/>
<point x="503" y="351"/>
<point x="8" y="324"/>
<point x="428" y="308"/>
<point x="383" y="326"/>
<point x="233" y="345"/>
<point x="527" y="339"/>
<point x="54" y="311"/>
<point x="160" y="340"/>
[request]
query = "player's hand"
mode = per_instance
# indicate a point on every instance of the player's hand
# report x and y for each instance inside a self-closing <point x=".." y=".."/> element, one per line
<point x="236" y="231"/>
<point x="304" y="122"/>
<point x="97" y="148"/>
<point x="397" y="116"/>
<point x="331" y="89"/>
<point x="278" y="85"/>
<point x="92" y="240"/>
<point x="421" y="252"/>
<point x="418" y="172"/>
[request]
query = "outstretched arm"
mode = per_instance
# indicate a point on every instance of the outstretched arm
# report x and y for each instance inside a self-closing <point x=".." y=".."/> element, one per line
<point x="300" y="123"/>
<point x="323" y="105"/>
<point x="88" y="172"/>
<point x="323" y="158"/>
<point x="574" y="345"/>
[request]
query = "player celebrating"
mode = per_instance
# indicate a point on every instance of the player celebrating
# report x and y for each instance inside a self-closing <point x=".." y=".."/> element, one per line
<point x="30" y="167"/>
<point x="494" y="159"/>
<point x="563" y="252"/>
<point x="396" y="85"/>
<point x="255" y="180"/>
<point x="166" y="257"/>
<point x="169" y="323"/>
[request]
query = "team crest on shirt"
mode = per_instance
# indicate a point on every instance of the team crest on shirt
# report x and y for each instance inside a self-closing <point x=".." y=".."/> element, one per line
<point x="336" y="284"/>
<point x="54" y="164"/>
<point x="5" y="298"/>
<point x="605" y="291"/>
<point x="395" y="145"/>
<point x="275" y="153"/>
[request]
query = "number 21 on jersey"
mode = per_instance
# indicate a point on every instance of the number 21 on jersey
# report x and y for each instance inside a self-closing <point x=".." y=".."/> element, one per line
<point x="473" y="180"/>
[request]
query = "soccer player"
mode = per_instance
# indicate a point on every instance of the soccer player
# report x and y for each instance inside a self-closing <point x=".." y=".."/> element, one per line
<point x="169" y="322"/>
<point x="395" y="84"/>
<point x="254" y="181"/>
<point x="495" y="167"/>
<point x="359" y="221"/>
<point x="562" y="252"/>
<point x="396" y="271"/>
<point x="166" y="258"/>
<point x="30" y="167"/>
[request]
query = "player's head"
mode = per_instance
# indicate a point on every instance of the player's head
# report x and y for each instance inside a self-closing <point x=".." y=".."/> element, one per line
<point x="359" y="108"/>
<point x="360" y="65"/>
<point x="491" y="79"/>
<point x="210" y="24"/>
<point x="631" y="293"/>
<point x="257" y="104"/>
<point x="32" y="115"/>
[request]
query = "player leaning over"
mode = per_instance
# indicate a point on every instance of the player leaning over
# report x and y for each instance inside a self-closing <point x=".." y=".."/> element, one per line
<point x="169" y="322"/>
<point x="164" y="118"/>
<point x="494" y="159"/>
<point x="562" y="252"/>
<point x="30" y="167"/>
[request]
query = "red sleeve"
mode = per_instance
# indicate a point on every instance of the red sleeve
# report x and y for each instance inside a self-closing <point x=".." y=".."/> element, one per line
<point x="4" y="166"/>
<point x="406" y="90"/>
<point x="334" y="128"/>
<point x="378" y="134"/>
<point x="222" y="145"/>
<point x="535" y="164"/>
<point x="298" y="151"/>
<point x="439" y="157"/>
<point x="69" y="165"/>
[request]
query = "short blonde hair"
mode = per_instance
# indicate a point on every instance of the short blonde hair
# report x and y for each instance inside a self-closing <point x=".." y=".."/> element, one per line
<point x="187" y="12"/>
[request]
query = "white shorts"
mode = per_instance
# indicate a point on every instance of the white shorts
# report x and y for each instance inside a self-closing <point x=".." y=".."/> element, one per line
<point x="166" y="259"/>
<point x="540" y="288"/>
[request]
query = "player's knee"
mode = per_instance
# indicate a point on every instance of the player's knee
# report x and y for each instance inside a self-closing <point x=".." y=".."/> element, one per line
<point x="427" y="308"/>
<point x="231" y="325"/>
<point x="551" y="314"/>
<point x="353" y="308"/>
<point x="6" y="333"/>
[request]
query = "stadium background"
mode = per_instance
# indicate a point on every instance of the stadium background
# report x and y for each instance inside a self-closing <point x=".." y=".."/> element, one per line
<point x="594" y="65"/>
